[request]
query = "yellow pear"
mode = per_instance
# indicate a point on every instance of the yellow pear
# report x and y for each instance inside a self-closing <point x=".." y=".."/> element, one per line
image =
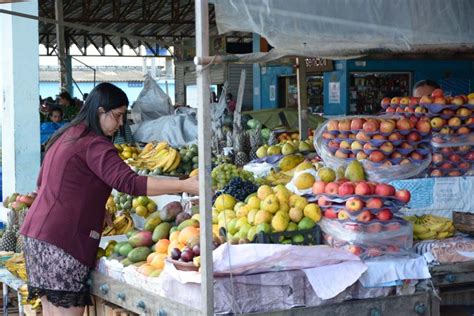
<point x="242" y="211"/>
<point x="304" y="181"/>
<point x="262" y="217"/>
<point x="301" y="202"/>
<point x="264" y="191"/>
<point x="253" y="202"/>
<point x="262" y="151"/>
<point x="251" y="216"/>
<point x="296" y="214"/>
<point x="312" y="211"/>
<point x="280" y="222"/>
<point x="270" y="204"/>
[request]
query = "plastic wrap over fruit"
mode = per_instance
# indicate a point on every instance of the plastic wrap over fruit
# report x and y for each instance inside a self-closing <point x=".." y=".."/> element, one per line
<point x="369" y="239"/>
<point x="302" y="181"/>
<point x="390" y="167"/>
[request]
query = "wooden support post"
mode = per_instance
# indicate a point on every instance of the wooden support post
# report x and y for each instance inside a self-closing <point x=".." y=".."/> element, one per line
<point x="205" y="164"/>
<point x="62" y="49"/>
<point x="302" y="97"/>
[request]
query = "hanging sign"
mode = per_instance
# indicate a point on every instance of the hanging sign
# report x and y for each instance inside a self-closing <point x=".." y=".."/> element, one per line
<point x="318" y="64"/>
<point x="334" y="92"/>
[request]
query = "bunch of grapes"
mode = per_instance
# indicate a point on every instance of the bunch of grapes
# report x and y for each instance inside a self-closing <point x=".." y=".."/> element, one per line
<point x="240" y="188"/>
<point x="222" y="174"/>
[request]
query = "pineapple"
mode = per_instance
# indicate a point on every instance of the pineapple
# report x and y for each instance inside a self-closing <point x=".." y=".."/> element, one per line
<point x="20" y="241"/>
<point x="255" y="143"/>
<point x="8" y="241"/>
<point x="240" y="157"/>
<point x="272" y="140"/>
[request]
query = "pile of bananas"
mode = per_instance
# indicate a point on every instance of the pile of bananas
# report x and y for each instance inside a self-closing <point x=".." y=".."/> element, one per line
<point x="35" y="303"/>
<point x="127" y="151"/>
<point x="279" y="177"/>
<point x="122" y="224"/>
<point x="431" y="227"/>
<point x="157" y="159"/>
<point x="16" y="265"/>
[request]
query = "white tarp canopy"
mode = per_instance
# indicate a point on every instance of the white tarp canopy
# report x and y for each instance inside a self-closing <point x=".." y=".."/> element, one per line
<point x="339" y="29"/>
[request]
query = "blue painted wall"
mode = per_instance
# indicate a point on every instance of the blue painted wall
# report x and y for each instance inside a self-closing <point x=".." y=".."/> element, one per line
<point x="455" y="77"/>
<point x="269" y="77"/>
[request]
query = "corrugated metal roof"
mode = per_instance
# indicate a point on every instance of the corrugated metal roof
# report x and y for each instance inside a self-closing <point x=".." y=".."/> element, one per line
<point x="116" y="74"/>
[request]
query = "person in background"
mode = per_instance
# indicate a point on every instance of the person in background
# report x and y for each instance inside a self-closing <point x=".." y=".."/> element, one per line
<point x="47" y="129"/>
<point x="424" y="87"/>
<point x="45" y="107"/>
<point x="69" y="106"/>
<point x="230" y="103"/>
<point x="84" y="97"/>
<point x="64" y="225"/>
<point x="213" y="97"/>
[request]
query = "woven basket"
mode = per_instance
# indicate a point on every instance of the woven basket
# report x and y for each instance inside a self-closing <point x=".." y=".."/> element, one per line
<point x="464" y="222"/>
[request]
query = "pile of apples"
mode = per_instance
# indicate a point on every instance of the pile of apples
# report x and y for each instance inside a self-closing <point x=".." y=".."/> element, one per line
<point x="452" y="161"/>
<point x="448" y="115"/>
<point x="385" y="141"/>
<point x="355" y="208"/>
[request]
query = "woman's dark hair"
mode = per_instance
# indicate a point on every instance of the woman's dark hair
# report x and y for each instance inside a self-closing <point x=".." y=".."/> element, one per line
<point x="104" y="95"/>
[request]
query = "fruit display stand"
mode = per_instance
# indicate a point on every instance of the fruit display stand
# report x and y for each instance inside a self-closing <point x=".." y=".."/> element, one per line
<point x="9" y="281"/>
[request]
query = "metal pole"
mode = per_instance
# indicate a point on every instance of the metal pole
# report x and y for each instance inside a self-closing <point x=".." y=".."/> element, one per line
<point x="302" y="97"/>
<point x="62" y="50"/>
<point x="204" y="141"/>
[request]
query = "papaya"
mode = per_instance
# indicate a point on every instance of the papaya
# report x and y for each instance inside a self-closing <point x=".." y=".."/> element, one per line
<point x="188" y="222"/>
<point x="138" y="254"/>
<point x="139" y="263"/>
<point x="152" y="221"/>
<point x="161" y="231"/>
<point x="118" y="245"/>
<point x="125" y="249"/>
<point x="141" y="239"/>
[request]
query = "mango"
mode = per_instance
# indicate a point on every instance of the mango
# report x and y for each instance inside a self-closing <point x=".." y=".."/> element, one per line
<point x="304" y="181"/>
<point x="125" y="249"/>
<point x="118" y="245"/>
<point x="355" y="171"/>
<point x="141" y="239"/>
<point x="152" y="221"/>
<point x="126" y="262"/>
<point x="161" y="231"/>
<point x="326" y="174"/>
<point x="169" y="212"/>
<point x="289" y="162"/>
<point x="138" y="254"/>
<point x="306" y="223"/>
<point x="188" y="222"/>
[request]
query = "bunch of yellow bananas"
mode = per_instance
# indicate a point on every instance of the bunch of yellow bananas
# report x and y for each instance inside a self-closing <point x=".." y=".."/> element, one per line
<point x="279" y="177"/>
<point x="122" y="224"/>
<point x="16" y="265"/>
<point x="431" y="227"/>
<point x="157" y="156"/>
<point x="35" y="303"/>
<point x="110" y="205"/>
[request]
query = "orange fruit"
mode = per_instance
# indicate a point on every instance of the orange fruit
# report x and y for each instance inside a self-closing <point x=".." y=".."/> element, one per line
<point x="158" y="261"/>
<point x="146" y="269"/>
<point x="162" y="245"/>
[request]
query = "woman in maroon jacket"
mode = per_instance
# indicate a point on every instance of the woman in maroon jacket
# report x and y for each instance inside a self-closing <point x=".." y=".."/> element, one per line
<point x="63" y="227"/>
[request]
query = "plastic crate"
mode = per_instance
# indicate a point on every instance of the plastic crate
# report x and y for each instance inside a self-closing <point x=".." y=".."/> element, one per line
<point x="310" y="237"/>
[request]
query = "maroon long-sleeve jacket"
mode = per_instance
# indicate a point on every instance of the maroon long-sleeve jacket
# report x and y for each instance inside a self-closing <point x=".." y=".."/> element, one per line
<point x="76" y="178"/>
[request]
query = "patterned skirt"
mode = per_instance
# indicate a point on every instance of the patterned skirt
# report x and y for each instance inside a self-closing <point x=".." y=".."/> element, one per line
<point x="56" y="274"/>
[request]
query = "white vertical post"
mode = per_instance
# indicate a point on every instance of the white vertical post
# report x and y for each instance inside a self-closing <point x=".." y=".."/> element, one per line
<point x="302" y="97"/>
<point x="61" y="48"/>
<point x="205" y="165"/>
<point x="19" y="101"/>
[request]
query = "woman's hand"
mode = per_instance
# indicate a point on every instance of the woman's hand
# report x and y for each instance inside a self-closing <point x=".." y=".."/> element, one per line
<point x="191" y="185"/>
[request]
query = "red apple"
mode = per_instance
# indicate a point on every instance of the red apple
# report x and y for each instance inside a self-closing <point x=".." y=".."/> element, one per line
<point x="463" y="130"/>
<point x="404" y="124"/>
<point x="396" y="155"/>
<point x="454" y="121"/>
<point x="406" y="145"/>
<point x="356" y="250"/>
<point x="387" y="126"/>
<point x="374" y="252"/>
<point x="426" y="99"/>
<point x="454" y="173"/>
<point x="392" y="226"/>
<point x="400" y="110"/>
<point x="374" y="203"/>
<point x="469" y="155"/>
<point x="342" y="215"/>
<point x="371" y="126"/>
<point x="405" y="101"/>
<point x="357" y="124"/>
<point x="414" y="101"/>
<point x="384" y="215"/>
<point x="414" y="137"/>
<point x="464" y="112"/>
<point x="369" y="146"/>
<point x="346" y="188"/>
<point x="345" y="145"/>
<point x="420" y="109"/>
<point x="437" y="158"/>
<point x="363" y="188"/>
<point x="354" y="204"/>
<point x="374" y="227"/>
<point x="361" y="155"/>
<point x="340" y="154"/>
<point x="395" y="100"/>
<point x="345" y="125"/>
<point x="376" y="156"/>
<point x="436" y="173"/>
<point x="416" y="156"/>
<point x="330" y="213"/>
<point x="356" y="145"/>
<point x="409" y="110"/>
<point x="447" y="150"/>
<point x="385" y="102"/>
<point x="448" y="112"/>
<point x="333" y="125"/>
<point x="327" y="135"/>
<point x="423" y="126"/>
<point x="331" y="188"/>
<point x="405" y="162"/>
<point x="447" y="165"/>
<point x="446" y="131"/>
<point x="362" y="137"/>
<point x="390" y="110"/>
<point x="395" y="136"/>
<point x="319" y="187"/>
<point x="457" y="100"/>
<point x="437" y="93"/>
<point x="384" y="189"/>
<point x="353" y="227"/>
<point x="465" y="165"/>
<point x="365" y="216"/>
<point x="403" y="195"/>
<point x="387" y="147"/>
<point x="379" y="137"/>
<point x="439" y="100"/>
<point x="456" y="158"/>
<point x="322" y="201"/>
